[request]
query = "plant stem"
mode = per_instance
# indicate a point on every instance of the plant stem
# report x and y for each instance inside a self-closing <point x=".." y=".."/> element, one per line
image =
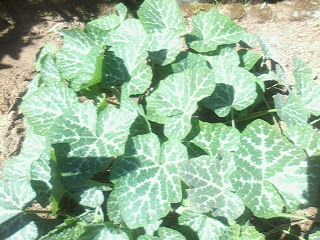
<point x="315" y="121"/>
<point x="294" y="216"/>
<point x="233" y="123"/>
<point x="35" y="211"/>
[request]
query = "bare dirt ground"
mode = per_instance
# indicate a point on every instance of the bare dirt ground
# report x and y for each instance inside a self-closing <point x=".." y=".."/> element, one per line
<point x="292" y="28"/>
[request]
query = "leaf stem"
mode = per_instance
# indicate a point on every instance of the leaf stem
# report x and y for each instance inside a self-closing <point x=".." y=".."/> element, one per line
<point x="35" y="211"/>
<point x="233" y="123"/>
<point x="315" y="121"/>
<point x="294" y="216"/>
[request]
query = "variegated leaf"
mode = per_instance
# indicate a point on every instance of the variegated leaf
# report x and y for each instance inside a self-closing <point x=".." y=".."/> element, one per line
<point x="306" y="138"/>
<point x="46" y="104"/>
<point x="176" y="98"/>
<point x="204" y="226"/>
<point x="148" y="181"/>
<point x="210" y="187"/>
<point x="212" y="29"/>
<point x="158" y="15"/>
<point x="267" y="163"/>
<point x="214" y="138"/>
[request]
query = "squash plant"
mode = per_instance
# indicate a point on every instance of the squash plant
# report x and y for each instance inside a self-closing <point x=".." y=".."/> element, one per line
<point x="152" y="128"/>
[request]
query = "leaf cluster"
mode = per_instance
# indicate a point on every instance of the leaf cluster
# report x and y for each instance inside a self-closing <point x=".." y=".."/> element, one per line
<point x="152" y="128"/>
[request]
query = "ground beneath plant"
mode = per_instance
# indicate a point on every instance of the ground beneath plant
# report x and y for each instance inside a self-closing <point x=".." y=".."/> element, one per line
<point x="292" y="28"/>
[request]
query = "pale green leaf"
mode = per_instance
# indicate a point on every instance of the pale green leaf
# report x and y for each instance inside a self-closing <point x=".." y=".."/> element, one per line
<point x="148" y="181"/>
<point x="122" y="11"/>
<point x="104" y="232"/>
<point x="306" y="138"/>
<point x="308" y="90"/>
<point x="125" y="62"/>
<point x="204" y="226"/>
<point x="223" y="56"/>
<point x="18" y="167"/>
<point x="158" y="15"/>
<point x="291" y="110"/>
<point x="148" y="237"/>
<point x="314" y="236"/>
<point x="113" y="208"/>
<point x="170" y="234"/>
<point x="47" y="49"/>
<point x="236" y="89"/>
<point x="214" y="138"/>
<point x="49" y="71"/>
<point x="249" y="232"/>
<point x="18" y="229"/>
<point x="248" y="58"/>
<point x="165" y="45"/>
<point x="80" y="59"/>
<point x="91" y="197"/>
<point x="210" y="187"/>
<point x="14" y="196"/>
<point x="176" y="98"/>
<point x="212" y="29"/>
<point x="188" y="60"/>
<point x="267" y="163"/>
<point x="45" y="105"/>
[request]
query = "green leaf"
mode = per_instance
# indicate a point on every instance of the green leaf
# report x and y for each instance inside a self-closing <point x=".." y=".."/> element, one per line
<point x="148" y="181"/>
<point x="147" y="237"/>
<point x="89" y="139"/>
<point x="170" y="234"/>
<point x="188" y="60"/>
<point x="46" y="104"/>
<point x="80" y="59"/>
<point x="214" y="138"/>
<point x="236" y="88"/>
<point x="306" y="138"/>
<point x="113" y="208"/>
<point x="176" y="98"/>
<point x="19" y="228"/>
<point x="122" y="11"/>
<point x="291" y="110"/>
<point x="49" y="71"/>
<point x="14" y="196"/>
<point x="44" y="51"/>
<point x="267" y="163"/>
<point x="204" y="226"/>
<point x="314" y="236"/>
<point x="210" y="186"/>
<point x="158" y="15"/>
<point x="308" y="90"/>
<point x="165" y="45"/>
<point x="211" y="29"/>
<point x="125" y="62"/>
<point x="248" y="58"/>
<point x="18" y="168"/>
<point x="223" y="56"/>
<point x="249" y="232"/>
<point x="104" y="231"/>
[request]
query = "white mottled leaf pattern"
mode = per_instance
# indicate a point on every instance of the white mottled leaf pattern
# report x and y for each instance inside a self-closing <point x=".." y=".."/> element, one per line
<point x="176" y="98"/>
<point x="204" y="226"/>
<point x="158" y="15"/>
<point x="212" y="29"/>
<point x="236" y="88"/>
<point x="210" y="187"/>
<point x="305" y="137"/>
<point x="165" y="45"/>
<point x="308" y="90"/>
<point x="80" y="59"/>
<point x="148" y="181"/>
<point x="267" y="163"/>
<point x="291" y="110"/>
<point x="126" y="60"/>
<point x="46" y="104"/>
<point x="214" y="138"/>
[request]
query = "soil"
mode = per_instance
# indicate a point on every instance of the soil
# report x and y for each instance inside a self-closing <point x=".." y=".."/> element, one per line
<point x="292" y="28"/>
